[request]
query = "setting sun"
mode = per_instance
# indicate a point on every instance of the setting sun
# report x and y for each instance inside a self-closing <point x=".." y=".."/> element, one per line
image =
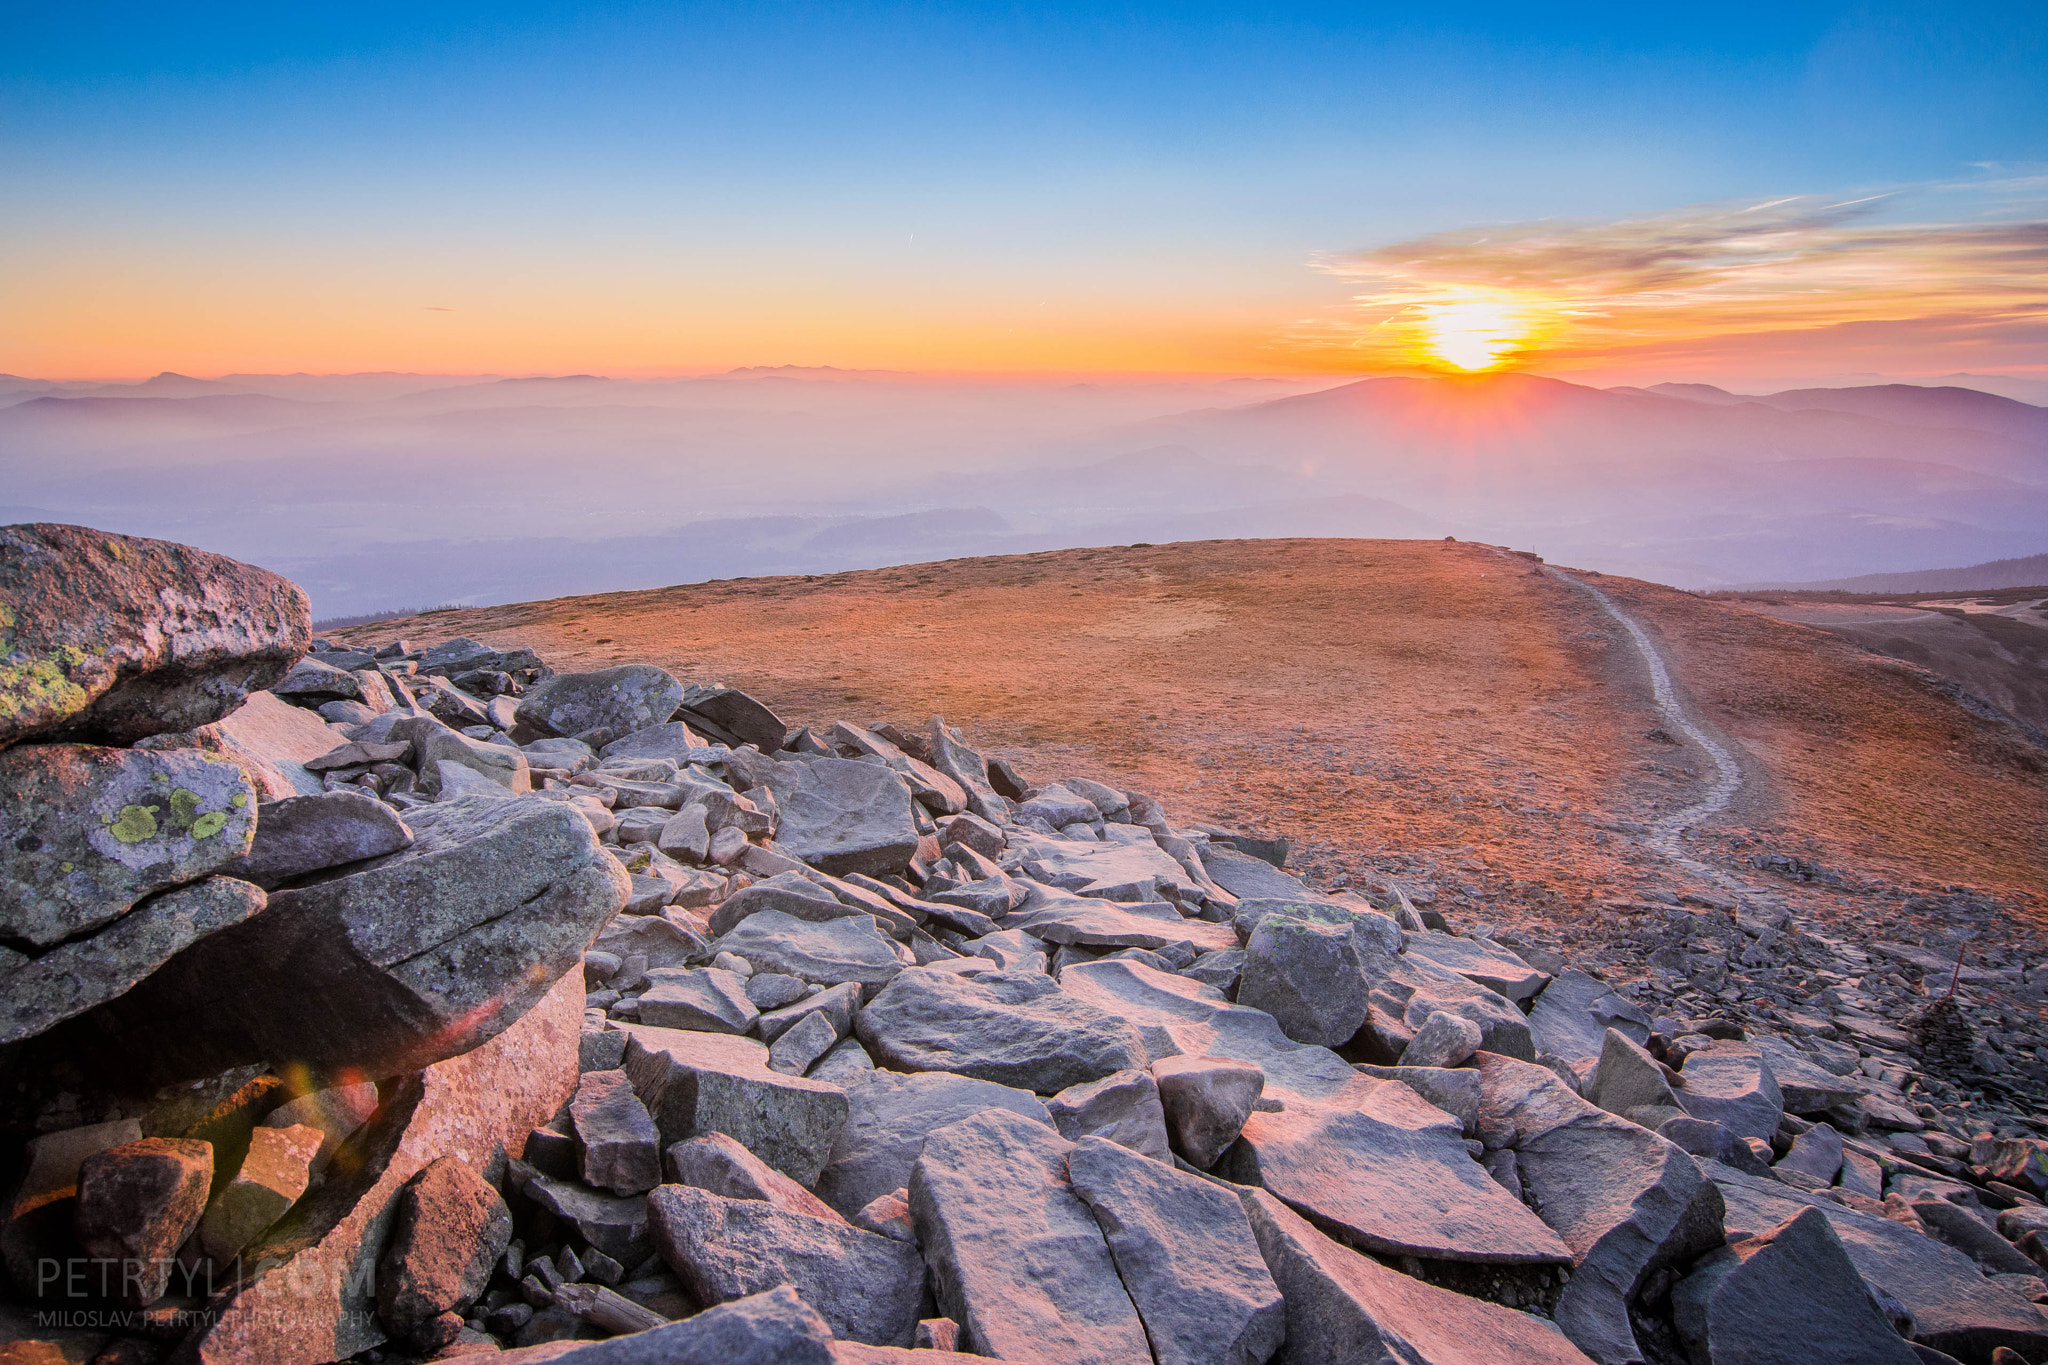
<point x="1471" y="334"/>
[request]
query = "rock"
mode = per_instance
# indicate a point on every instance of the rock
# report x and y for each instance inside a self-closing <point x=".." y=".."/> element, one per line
<point x="307" y="1288"/>
<point x="1456" y="1092"/>
<point x="669" y="939"/>
<point x="2021" y="1163"/>
<point x="614" y="1224"/>
<point x="1953" y="1224"/>
<point x="1955" y="1308"/>
<point x="685" y="835"/>
<point x="1123" y="1107"/>
<point x="697" y="998"/>
<point x="313" y="683"/>
<point x="721" y="1165"/>
<point x="1791" y="1295"/>
<point x="435" y="745"/>
<point x="40" y="992"/>
<point x="420" y="957"/>
<point x="1102" y="924"/>
<point x="1007" y="1027"/>
<point x="697" y="1083"/>
<point x="1624" y="1200"/>
<point x="1574" y="1012"/>
<point x="743" y="717"/>
<point x="1805" y="1087"/>
<point x="622" y="700"/>
<point x="1247" y="877"/>
<point x="888" y="1215"/>
<point x="931" y="788"/>
<point x="1111" y="872"/>
<point x="1730" y="1084"/>
<point x="1206" y="1101"/>
<point x="1404" y="991"/>
<point x="1185" y="1253"/>
<point x="270" y="740"/>
<point x="1443" y="1040"/>
<point x="671" y="740"/>
<point x="303" y="834"/>
<point x="967" y="768"/>
<point x="775" y="1328"/>
<point x="836" y="1003"/>
<point x="842" y="817"/>
<point x="137" y="1203"/>
<point x="450" y="1230"/>
<point x="91" y="831"/>
<point x="336" y="1113"/>
<point x="272" y="1176"/>
<point x="867" y="1287"/>
<point x="1629" y="1078"/>
<point x="889" y="1116"/>
<point x="1304" y="968"/>
<point x="621" y="1150"/>
<point x="1390" y="1174"/>
<point x="1019" y="1261"/>
<point x="1816" y="1152"/>
<point x="788" y="893"/>
<point x="848" y="948"/>
<point x="847" y="1064"/>
<point x="38" y="1226"/>
<point x="802" y="1044"/>
<point x="111" y="638"/>
<point x="773" y="990"/>
<point x="1482" y="962"/>
<point x="1370" y="1314"/>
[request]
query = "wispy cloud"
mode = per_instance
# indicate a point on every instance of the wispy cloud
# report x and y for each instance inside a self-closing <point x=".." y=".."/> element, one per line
<point x="1835" y="272"/>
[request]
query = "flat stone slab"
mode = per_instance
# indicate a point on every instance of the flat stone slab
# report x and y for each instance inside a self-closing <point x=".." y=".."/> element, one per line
<point x="889" y="1116"/>
<point x="1104" y="924"/>
<point x="842" y="817"/>
<point x="1574" y="1012"/>
<point x="1480" y="962"/>
<point x="1391" y="1173"/>
<point x="696" y="1083"/>
<point x="1013" y="1028"/>
<point x="849" y="947"/>
<point x="623" y="700"/>
<point x="1110" y="872"/>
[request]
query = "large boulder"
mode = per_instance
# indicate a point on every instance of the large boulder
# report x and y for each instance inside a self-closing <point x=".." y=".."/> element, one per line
<point x="451" y="1228"/>
<point x="1307" y="970"/>
<point x="624" y="699"/>
<point x="847" y="948"/>
<point x="419" y="956"/>
<point x="890" y="1114"/>
<point x="1105" y="924"/>
<point x="1019" y="1260"/>
<point x="307" y="1287"/>
<point x="697" y="1083"/>
<point x="1626" y="1201"/>
<point x="1731" y="1084"/>
<point x="1185" y="1252"/>
<point x="303" y="834"/>
<point x="434" y="744"/>
<point x="1572" y="1015"/>
<point x="137" y="1203"/>
<point x="91" y="831"/>
<point x="1361" y="1312"/>
<point x="40" y="992"/>
<point x="1482" y="962"/>
<point x="1014" y="1028"/>
<point x="843" y="816"/>
<point x="868" y="1287"/>
<point x="1389" y="1173"/>
<point x="745" y="718"/>
<point x="111" y="638"/>
<point x="775" y="1328"/>
<point x="270" y="740"/>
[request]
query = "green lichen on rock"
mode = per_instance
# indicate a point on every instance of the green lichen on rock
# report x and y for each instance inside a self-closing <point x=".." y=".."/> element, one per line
<point x="42" y="686"/>
<point x="206" y="826"/>
<point x="134" y="824"/>
<point x="184" y="807"/>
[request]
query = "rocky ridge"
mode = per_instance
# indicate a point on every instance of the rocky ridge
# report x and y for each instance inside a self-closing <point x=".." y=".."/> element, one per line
<point x="883" y="1046"/>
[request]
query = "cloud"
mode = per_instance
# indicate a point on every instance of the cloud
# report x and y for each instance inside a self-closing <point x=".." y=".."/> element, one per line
<point x="433" y="309"/>
<point x="1714" y="277"/>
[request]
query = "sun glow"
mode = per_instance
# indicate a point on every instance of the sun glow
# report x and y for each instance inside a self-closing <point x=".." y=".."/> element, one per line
<point x="1472" y="333"/>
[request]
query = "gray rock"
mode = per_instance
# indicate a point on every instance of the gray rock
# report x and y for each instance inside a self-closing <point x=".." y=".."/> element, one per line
<point x="848" y="948"/>
<point x="846" y="1065"/>
<point x="1789" y="1296"/>
<point x="91" y="831"/>
<point x="745" y="718"/>
<point x="1305" y="969"/>
<point x="434" y="744"/>
<point x="422" y="955"/>
<point x="621" y="1149"/>
<point x="867" y="1287"/>
<point x="624" y="699"/>
<point x="112" y="638"/>
<point x="931" y="788"/>
<point x="802" y="1044"/>
<point x="1805" y="1086"/>
<point x="1816" y="1152"/>
<point x="685" y="835"/>
<point x="1223" y="970"/>
<point x="890" y="1114"/>
<point x="1369" y="1314"/>
<point x="788" y="893"/>
<point x="773" y="990"/>
<point x="1455" y="1091"/>
<point x="1019" y="1261"/>
<point x="889" y="1216"/>
<point x="1390" y="1174"/>
<point x="843" y="817"/>
<point x="1123" y="1107"/>
<point x="775" y="1328"/>
<point x="614" y="1224"/>
<point x="1482" y="962"/>
<point x="40" y="992"/>
<point x="1104" y="924"/>
<point x="697" y="998"/>
<point x="1956" y="1226"/>
<point x="696" y="1083"/>
<point x="1627" y="1077"/>
<point x="672" y="740"/>
<point x="303" y="834"/>
<point x="1444" y="1040"/>
<point x="1703" y="1138"/>
<point x="137" y="1203"/>
<point x="1185" y="1252"/>
<point x="1110" y="871"/>
<point x="1007" y="1027"/>
<point x="1248" y="878"/>
<point x="311" y="683"/>
<point x="1623" y="1199"/>
<point x="1731" y="1084"/>
<point x="1404" y="991"/>
<point x="451" y="1228"/>
<point x="721" y="1165"/>
<point x="665" y="940"/>
<point x="837" y="1004"/>
<point x="967" y="768"/>
<point x="1206" y="1101"/>
<point x="1573" y="1014"/>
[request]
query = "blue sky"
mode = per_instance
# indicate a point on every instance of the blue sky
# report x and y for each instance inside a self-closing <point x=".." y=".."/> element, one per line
<point x="1129" y="181"/>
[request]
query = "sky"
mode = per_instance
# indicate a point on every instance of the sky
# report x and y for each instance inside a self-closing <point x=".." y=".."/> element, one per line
<point x="1620" y="192"/>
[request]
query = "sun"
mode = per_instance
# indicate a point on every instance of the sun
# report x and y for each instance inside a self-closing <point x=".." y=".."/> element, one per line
<point x="1472" y="333"/>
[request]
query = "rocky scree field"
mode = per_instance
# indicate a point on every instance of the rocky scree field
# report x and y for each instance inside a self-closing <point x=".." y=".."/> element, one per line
<point x="396" y="999"/>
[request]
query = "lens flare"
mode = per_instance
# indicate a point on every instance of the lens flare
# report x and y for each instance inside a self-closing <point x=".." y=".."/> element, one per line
<point x="1471" y="334"/>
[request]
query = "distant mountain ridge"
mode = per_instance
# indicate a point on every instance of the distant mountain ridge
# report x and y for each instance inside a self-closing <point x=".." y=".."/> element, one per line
<point x="2025" y="572"/>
